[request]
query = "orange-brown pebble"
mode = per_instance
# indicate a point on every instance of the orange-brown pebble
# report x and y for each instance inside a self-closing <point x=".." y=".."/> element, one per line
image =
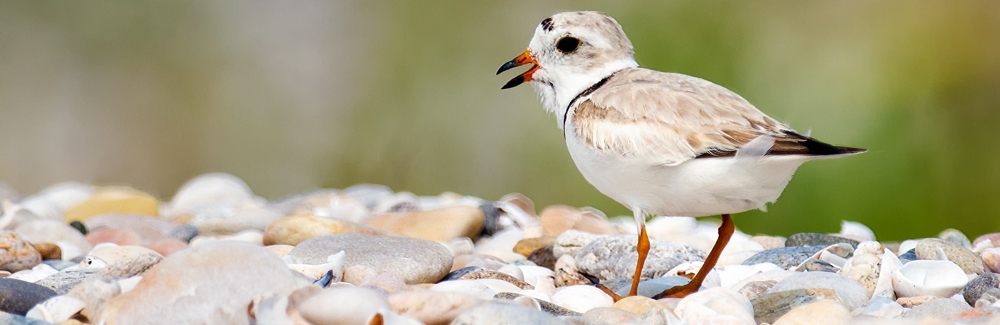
<point x="49" y="251"/>
<point x="111" y="235"/>
<point x="528" y="245"/>
<point x="167" y="246"/>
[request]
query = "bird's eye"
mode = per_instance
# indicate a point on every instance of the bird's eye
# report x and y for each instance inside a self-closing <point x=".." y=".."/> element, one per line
<point x="568" y="44"/>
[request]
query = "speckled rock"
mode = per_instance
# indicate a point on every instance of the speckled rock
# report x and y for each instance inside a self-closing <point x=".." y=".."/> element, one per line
<point x="504" y="314"/>
<point x="964" y="258"/>
<point x="438" y="225"/>
<point x="817" y="239"/>
<point x="975" y="288"/>
<point x="543" y="257"/>
<point x="484" y="274"/>
<point x="784" y="257"/>
<point x="615" y="257"/>
<point x="545" y="306"/>
<point x="415" y="260"/>
<point x="850" y="293"/>
<point x="64" y="281"/>
<point x="571" y="241"/>
<point x="16" y="254"/>
<point x="818" y="313"/>
<point x="17" y="296"/>
<point x="942" y="308"/>
<point x="771" y="306"/>
<point x="296" y="229"/>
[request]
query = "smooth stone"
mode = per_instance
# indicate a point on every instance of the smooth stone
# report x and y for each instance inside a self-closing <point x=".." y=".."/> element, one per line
<point x="17" y="297"/>
<point x="529" y="245"/>
<point x="819" y="266"/>
<point x="184" y="233"/>
<point x="910" y="255"/>
<point x="16" y="254"/>
<point x="651" y="287"/>
<point x="956" y="237"/>
<point x="293" y="230"/>
<point x="486" y="262"/>
<point x="210" y="283"/>
<point x="15" y="319"/>
<point x="615" y="257"/>
<point x="941" y="308"/>
<point x="415" y="260"/>
<point x="991" y="257"/>
<point x="771" y="306"/>
<point x="440" y="225"/>
<point x="818" y="313"/>
<point x="610" y="315"/>
<point x="969" y="262"/>
<point x="914" y="301"/>
<point x="556" y="219"/>
<point x="991" y="240"/>
<point x="493" y="218"/>
<point x="432" y="307"/>
<point x="138" y="260"/>
<point x="716" y="305"/>
<point x="817" y="239"/>
<point x="784" y="257"/>
<point x="66" y="280"/>
<point x="975" y="288"/>
<point x="638" y="305"/>
<point x="544" y="257"/>
<point x="167" y="246"/>
<point x="344" y="305"/>
<point x="457" y="274"/>
<point x="145" y="227"/>
<point x="856" y="231"/>
<point x="769" y="242"/>
<point x="114" y="200"/>
<point x="59" y="264"/>
<point x="208" y="191"/>
<point x="850" y="293"/>
<point x="755" y="289"/>
<point x="51" y="231"/>
<point x="504" y="314"/>
<point x="113" y="235"/>
<point x="548" y="307"/>
<point x="883" y="307"/>
<point x="571" y="241"/>
<point x="581" y="298"/>
<point x="231" y="220"/>
<point x="48" y="251"/>
<point x="484" y="274"/>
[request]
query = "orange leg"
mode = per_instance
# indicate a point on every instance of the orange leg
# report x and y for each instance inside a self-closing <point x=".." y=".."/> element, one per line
<point x="642" y="247"/>
<point x="725" y="232"/>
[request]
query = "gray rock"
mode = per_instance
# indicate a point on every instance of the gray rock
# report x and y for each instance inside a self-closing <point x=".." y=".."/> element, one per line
<point x="64" y="281"/>
<point x="184" y="232"/>
<point x="612" y="257"/>
<point x="546" y="306"/>
<point x="975" y="288"/>
<point x="771" y="306"/>
<point x="504" y="314"/>
<point x="851" y="294"/>
<point x="956" y="237"/>
<point x="17" y="297"/>
<point x="652" y="287"/>
<point x="13" y="319"/>
<point x="941" y="308"/>
<point x="456" y="274"/>
<point x="817" y="239"/>
<point x="964" y="258"/>
<point x="415" y="260"/>
<point x="59" y="264"/>
<point x="131" y="266"/>
<point x="910" y="255"/>
<point x="784" y="257"/>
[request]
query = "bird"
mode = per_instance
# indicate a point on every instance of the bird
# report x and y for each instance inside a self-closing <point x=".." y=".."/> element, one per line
<point x="659" y="143"/>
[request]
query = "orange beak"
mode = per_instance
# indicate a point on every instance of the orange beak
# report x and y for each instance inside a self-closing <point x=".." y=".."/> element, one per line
<point x="520" y="60"/>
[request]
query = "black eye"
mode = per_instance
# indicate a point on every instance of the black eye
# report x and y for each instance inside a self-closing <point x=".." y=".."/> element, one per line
<point x="568" y="44"/>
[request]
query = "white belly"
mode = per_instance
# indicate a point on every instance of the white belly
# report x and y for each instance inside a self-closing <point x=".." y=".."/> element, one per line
<point x="698" y="187"/>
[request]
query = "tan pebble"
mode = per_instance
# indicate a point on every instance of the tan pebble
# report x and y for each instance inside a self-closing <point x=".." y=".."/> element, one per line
<point x="769" y="242"/>
<point x="49" y="251"/>
<point x="358" y="274"/>
<point x="432" y="307"/>
<point x="914" y="301"/>
<point x="639" y="305"/>
<point x="167" y="246"/>
<point x="484" y="274"/>
<point x="280" y="249"/>
<point x="111" y="235"/>
<point x="440" y="225"/>
<point x="114" y="200"/>
<point x="17" y="254"/>
<point x="818" y="313"/>
<point x="293" y="230"/>
<point x="386" y="281"/>
<point x="528" y="245"/>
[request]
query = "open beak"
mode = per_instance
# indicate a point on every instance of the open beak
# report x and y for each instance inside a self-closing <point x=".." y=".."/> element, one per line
<point x="520" y="60"/>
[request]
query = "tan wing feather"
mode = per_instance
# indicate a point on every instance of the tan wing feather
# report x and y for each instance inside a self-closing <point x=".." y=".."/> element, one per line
<point x="669" y="117"/>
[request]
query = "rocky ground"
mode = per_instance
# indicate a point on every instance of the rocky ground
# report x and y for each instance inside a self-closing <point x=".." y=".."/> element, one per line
<point x="217" y="254"/>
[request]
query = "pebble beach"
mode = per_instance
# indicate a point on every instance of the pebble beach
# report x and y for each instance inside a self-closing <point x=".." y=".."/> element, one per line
<point x="216" y="253"/>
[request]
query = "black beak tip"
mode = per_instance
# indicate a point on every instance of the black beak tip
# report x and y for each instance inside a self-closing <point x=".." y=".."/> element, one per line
<point x="513" y="82"/>
<point x="506" y="66"/>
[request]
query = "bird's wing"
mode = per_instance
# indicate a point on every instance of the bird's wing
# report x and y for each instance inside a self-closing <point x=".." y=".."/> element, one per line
<point x="671" y="118"/>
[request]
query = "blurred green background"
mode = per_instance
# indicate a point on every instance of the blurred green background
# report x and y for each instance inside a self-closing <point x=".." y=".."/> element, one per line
<point x="292" y="96"/>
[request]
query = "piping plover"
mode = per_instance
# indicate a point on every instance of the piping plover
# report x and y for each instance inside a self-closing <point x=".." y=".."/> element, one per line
<point x="662" y="144"/>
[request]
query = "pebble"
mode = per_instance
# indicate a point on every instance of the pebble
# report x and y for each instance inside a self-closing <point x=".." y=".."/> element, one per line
<point x="48" y="251"/>
<point x="231" y="220"/>
<point x="224" y="275"/>
<point x="975" y="288"/>
<point x="346" y="305"/>
<point x="456" y="274"/>
<point x="716" y="305"/>
<point x="818" y="313"/>
<point x="769" y="242"/>
<point x="771" y="306"/>
<point x="910" y="255"/>
<point x="567" y="274"/>
<point x="145" y="227"/>
<point x="784" y="257"/>
<point x="296" y="229"/>
<point x="817" y="239"/>
<point x="544" y="257"/>
<point x="51" y="231"/>
<point x="941" y="308"/>
<point x="504" y="314"/>
<point x="66" y="280"/>
<point x="432" y="307"/>
<point x="208" y="191"/>
<point x="615" y="257"/>
<point x="991" y="258"/>
<point x="14" y="319"/>
<point x="850" y="293"/>
<point x="415" y="260"/>
<point x="990" y="240"/>
<point x="486" y="262"/>
<point x="639" y="305"/>
<point x="648" y="288"/>
<point x="113" y="235"/>
<point x="56" y="309"/>
<point x="440" y="225"/>
<point x="571" y="241"/>
<point x="114" y="200"/>
<point x="557" y="219"/>
<point x="484" y="274"/>
<point x="17" y="297"/>
<point x="548" y="307"/>
<point x="167" y="246"/>
<point x="610" y="315"/>
<point x="756" y="289"/>
<point x="956" y="237"/>
<point x="95" y="292"/>
<point x="883" y="307"/>
<point x="16" y="254"/>
<point x="927" y="249"/>
<point x="914" y="301"/>
<point x="529" y="245"/>
<point x="581" y="298"/>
